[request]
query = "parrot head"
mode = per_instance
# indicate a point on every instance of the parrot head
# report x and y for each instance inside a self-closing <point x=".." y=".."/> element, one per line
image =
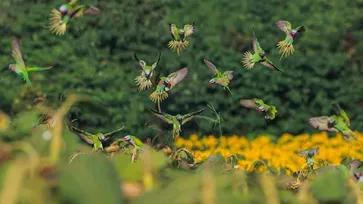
<point x="212" y="81"/>
<point x="127" y="138"/>
<point x="293" y="32"/>
<point x="100" y="136"/>
<point x="12" y="67"/>
<point x="179" y="117"/>
<point x="262" y="54"/>
<point x="260" y="104"/>
<point x="167" y="80"/>
<point x="63" y="9"/>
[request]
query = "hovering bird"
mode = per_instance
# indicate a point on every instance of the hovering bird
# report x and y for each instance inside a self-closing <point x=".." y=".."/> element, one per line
<point x="258" y="104"/>
<point x="309" y="155"/>
<point x="180" y="36"/>
<point x="166" y="84"/>
<point x="339" y="122"/>
<point x="286" y="47"/>
<point x="220" y="78"/>
<point x="143" y="81"/>
<point x="249" y="59"/>
<point x="134" y="141"/>
<point x="96" y="139"/>
<point x="19" y="67"/>
<point x="60" y="18"/>
<point x="176" y="120"/>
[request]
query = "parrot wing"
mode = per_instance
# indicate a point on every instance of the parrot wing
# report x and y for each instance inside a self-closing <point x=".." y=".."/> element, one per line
<point x="177" y="76"/>
<point x="270" y="65"/>
<point x="189" y="116"/>
<point x="157" y="62"/>
<point x="322" y="123"/>
<point x="188" y="30"/>
<point x="339" y="111"/>
<point x="174" y="32"/>
<point x="285" y="26"/>
<point x="17" y="54"/>
<point x="113" y="132"/>
<point x="255" y="44"/>
<point x="248" y="103"/>
<point x="229" y="75"/>
<point x="163" y="116"/>
<point x="211" y="67"/>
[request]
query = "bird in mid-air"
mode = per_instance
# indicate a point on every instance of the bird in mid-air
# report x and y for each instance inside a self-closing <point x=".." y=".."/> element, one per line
<point x="259" y="56"/>
<point x="60" y="18"/>
<point x="309" y="155"/>
<point x="143" y="80"/>
<point x="180" y="36"/>
<point x="258" y="104"/>
<point x="176" y="120"/>
<point x="285" y="46"/>
<point x="19" y="67"/>
<point x="221" y="78"/>
<point x="339" y="122"/>
<point x="166" y="84"/>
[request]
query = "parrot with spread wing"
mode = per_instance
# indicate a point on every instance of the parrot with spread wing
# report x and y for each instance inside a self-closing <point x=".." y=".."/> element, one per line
<point x="221" y="78"/>
<point x="180" y="36"/>
<point x="286" y="47"/>
<point x="19" y="67"/>
<point x="60" y="18"/>
<point x="309" y="155"/>
<point x="339" y="122"/>
<point x="258" y="104"/>
<point x="166" y="84"/>
<point x="259" y="56"/>
<point x="96" y="139"/>
<point x="143" y="81"/>
<point x="134" y="141"/>
<point x="176" y="120"/>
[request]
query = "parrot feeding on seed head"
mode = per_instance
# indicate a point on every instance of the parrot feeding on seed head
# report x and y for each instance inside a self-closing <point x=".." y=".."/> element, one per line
<point x="60" y="18"/>
<point x="221" y="78"/>
<point x="166" y="84"/>
<point x="19" y="67"/>
<point x="144" y="80"/>
<point x="339" y="122"/>
<point x="176" y="120"/>
<point x="259" y="56"/>
<point x="286" y="47"/>
<point x="258" y="104"/>
<point x="134" y="141"/>
<point x="180" y="36"/>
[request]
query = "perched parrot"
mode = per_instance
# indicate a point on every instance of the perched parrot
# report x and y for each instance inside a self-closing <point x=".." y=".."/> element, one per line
<point x="177" y="120"/>
<point x="258" y="104"/>
<point x="249" y="60"/>
<point x="180" y="36"/>
<point x="339" y="122"/>
<point x="144" y="80"/>
<point x="19" y="67"/>
<point x="167" y="83"/>
<point x="60" y="19"/>
<point x="134" y="141"/>
<point x="309" y="155"/>
<point x="286" y="47"/>
<point x="220" y="78"/>
<point x="96" y="139"/>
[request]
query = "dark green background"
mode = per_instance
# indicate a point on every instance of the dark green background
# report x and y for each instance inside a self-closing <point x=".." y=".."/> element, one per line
<point x="95" y="57"/>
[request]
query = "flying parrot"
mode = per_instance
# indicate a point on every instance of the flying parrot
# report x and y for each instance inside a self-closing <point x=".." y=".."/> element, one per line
<point x="19" y="67"/>
<point x="96" y="139"/>
<point x="258" y="104"/>
<point x="143" y="81"/>
<point x="134" y="141"/>
<point x="249" y="59"/>
<point x="339" y="122"/>
<point x="180" y="36"/>
<point x="309" y="155"/>
<point x="176" y="120"/>
<point x="286" y="47"/>
<point x="166" y="84"/>
<point x="60" y="18"/>
<point x="221" y="78"/>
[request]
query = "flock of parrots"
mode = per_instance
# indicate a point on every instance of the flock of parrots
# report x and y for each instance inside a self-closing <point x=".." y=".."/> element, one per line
<point x="60" y="19"/>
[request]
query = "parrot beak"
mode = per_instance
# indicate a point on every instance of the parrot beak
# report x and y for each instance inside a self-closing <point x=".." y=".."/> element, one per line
<point x="260" y="110"/>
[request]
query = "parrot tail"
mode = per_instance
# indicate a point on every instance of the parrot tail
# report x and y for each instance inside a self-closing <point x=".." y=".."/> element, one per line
<point x="285" y="49"/>
<point x="178" y="46"/>
<point x="158" y="96"/>
<point x="247" y="60"/>
<point x="57" y="25"/>
<point x="143" y="83"/>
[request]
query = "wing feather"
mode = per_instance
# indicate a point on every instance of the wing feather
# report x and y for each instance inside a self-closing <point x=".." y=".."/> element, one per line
<point x="188" y="30"/>
<point x="163" y="116"/>
<point x="321" y="123"/>
<point x="17" y="54"/>
<point x="211" y="67"/>
<point x="189" y="116"/>
<point x="285" y="26"/>
<point x="177" y="76"/>
<point x="248" y="103"/>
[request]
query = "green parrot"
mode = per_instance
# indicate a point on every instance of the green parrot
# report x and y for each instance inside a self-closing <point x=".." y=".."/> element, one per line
<point x="220" y="78"/>
<point x="60" y="19"/>
<point x="286" y="47"/>
<point x="339" y="122"/>
<point x="144" y="80"/>
<point x="309" y="155"/>
<point x="180" y="36"/>
<point x="249" y="60"/>
<point x="134" y="141"/>
<point x="96" y="139"/>
<point x="258" y="104"/>
<point x="167" y="83"/>
<point x="176" y="120"/>
<point x="19" y="67"/>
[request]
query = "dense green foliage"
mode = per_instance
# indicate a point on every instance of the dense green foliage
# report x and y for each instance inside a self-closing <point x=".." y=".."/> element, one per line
<point x="95" y="57"/>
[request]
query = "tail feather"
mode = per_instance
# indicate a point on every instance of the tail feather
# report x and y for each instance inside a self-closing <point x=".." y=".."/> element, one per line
<point x="247" y="60"/>
<point x="285" y="49"/>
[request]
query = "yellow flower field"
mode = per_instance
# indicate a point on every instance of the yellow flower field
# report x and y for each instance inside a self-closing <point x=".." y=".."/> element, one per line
<point x="280" y="154"/>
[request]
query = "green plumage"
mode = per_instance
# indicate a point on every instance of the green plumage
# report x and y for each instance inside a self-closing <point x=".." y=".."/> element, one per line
<point x="286" y="47"/>
<point x="134" y="141"/>
<point x="259" y="105"/>
<point x="221" y="78"/>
